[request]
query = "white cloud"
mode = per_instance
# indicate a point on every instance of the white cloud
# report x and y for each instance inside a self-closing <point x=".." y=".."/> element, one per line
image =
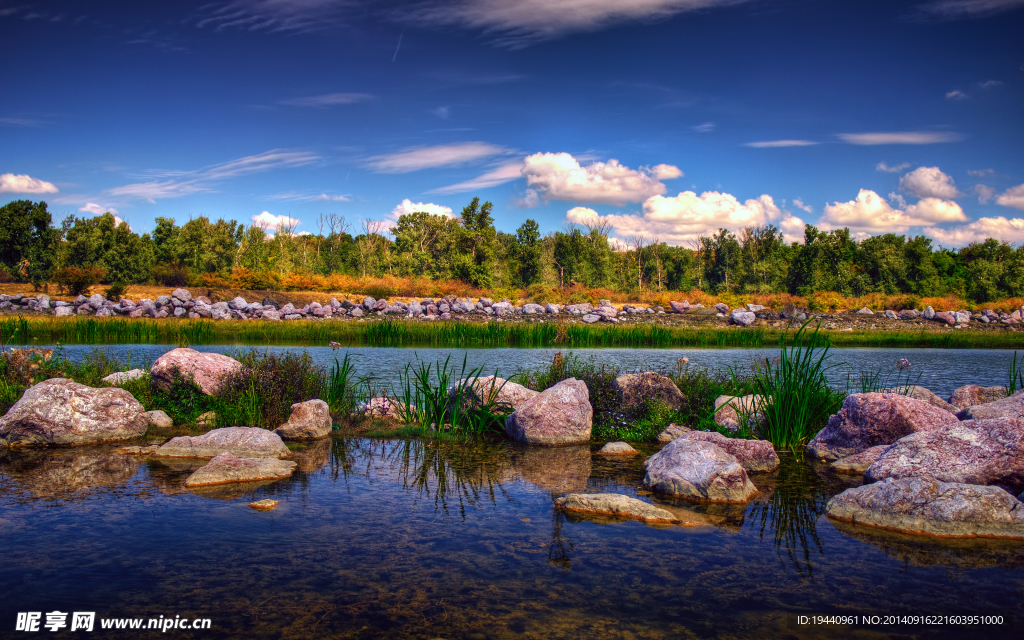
<point x="773" y="144"/>
<point x="980" y="173"/>
<point x="956" y="94"/>
<point x="1000" y="228"/>
<point x="683" y="218"/>
<point x="297" y="195"/>
<point x="291" y="16"/>
<point x="529" y="200"/>
<point x="269" y="222"/>
<point x="407" y="206"/>
<point x="153" y="191"/>
<point x="900" y="137"/>
<point x="20" y="183"/>
<point x="419" y="158"/>
<point x="799" y="204"/>
<point x="516" y="24"/>
<point x="881" y="166"/>
<point x="1012" y="197"/>
<point x="707" y="127"/>
<point x="95" y="209"/>
<point x="501" y="175"/>
<point x="871" y="213"/>
<point x="970" y="8"/>
<point x="985" y="193"/>
<point x="559" y="176"/>
<point x="328" y="100"/>
<point x="990" y="84"/>
<point x="929" y="182"/>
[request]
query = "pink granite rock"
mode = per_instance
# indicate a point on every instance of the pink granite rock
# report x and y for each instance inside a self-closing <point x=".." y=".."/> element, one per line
<point x="309" y="420"/>
<point x="225" y="468"/>
<point x="244" y="442"/>
<point x="698" y="470"/>
<point x="207" y="370"/>
<point x="753" y="455"/>
<point x="559" y="415"/>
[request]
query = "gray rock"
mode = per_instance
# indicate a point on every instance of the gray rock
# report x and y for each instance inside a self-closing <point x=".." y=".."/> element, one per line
<point x="672" y="432"/>
<point x="244" y="442"/>
<point x="636" y="389"/>
<point x="553" y="308"/>
<point x="225" y="468"/>
<point x="754" y="308"/>
<point x="742" y="317"/>
<point x="293" y="316"/>
<point x="858" y="463"/>
<point x="890" y="314"/>
<point x="909" y="314"/>
<point x="182" y="294"/>
<point x="591" y="318"/>
<point x="162" y="300"/>
<point x="158" y="419"/>
<point x="238" y="302"/>
<point x="309" y="420"/>
<point x="617" y="449"/>
<point x="614" y="505"/>
<point x="721" y="307"/>
<point x="753" y="455"/>
<point x="61" y="311"/>
<point x="273" y="315"/>
<point x="61" y="411"/>
<point x="96" y="301"/>
<point x="865" y="311"/>
<point x="118" y="378"/>
<point x="928" y="313"/>
<point x="580" y="309"/>
<point x="962" y="317"/>
<point x="559" y="415"/>
<point x="532" y="309"/>
<point x="926" y="506"/>
<point x="698" y="470"/>
<point x="369" y="304"/>
<point x="487" y="389"/>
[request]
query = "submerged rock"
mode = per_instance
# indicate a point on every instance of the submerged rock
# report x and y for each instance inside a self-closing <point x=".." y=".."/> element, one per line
<point x="61" y="411"/>
<point x="858" y="463"/>
<point x="927" y="506"/>
<point x="614" y="504"/>
<point x="753" y="455"/>
<point x="559" y="415"/>
<point x="263" y="505"/>
<point x="617" y="449"/>
<point x="698" y="470"/>
<point x="870" y="419"/>
<point x="971" y="395"/>
<point x="225" y="468"/>
<point x="243" y="442"/>
<point x="637" y="389"/>
<point x="309" y="420"/>
<point x="207" y="370"/>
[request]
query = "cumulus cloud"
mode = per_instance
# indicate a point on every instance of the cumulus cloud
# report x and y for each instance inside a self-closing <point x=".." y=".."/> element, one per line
<point x="872" y="213"/>
<point x="269" y="222"/>
<point x="517" y="24"/>
<point x="772" y="144"/>
<point x="1000" y="228"/>
<point x="985" y="193"/>
<point x="799" y="204"/>
<point x="328" y="100"/>
<point x="407" y="206"/>
<point x="881" y="166"/>
<point x="96" y="209"/>
<point x="20" y="183"/>
<point x="501" y="175"/>
<point x="1012" y="197"/>
<point x="956" y="94"/>
<point x="559" y="176"/>
<point x="929" y="182"/>
<point x="418" y="158"/>
<point x="683" y="218"/>
<point x="900" y="137"/>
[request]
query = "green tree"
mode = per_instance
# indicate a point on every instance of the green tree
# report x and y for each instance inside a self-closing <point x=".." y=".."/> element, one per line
<point x="28" y="241"/>
<point x="528" y="253"/>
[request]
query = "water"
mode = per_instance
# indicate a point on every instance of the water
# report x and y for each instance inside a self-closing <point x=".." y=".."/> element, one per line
<point x="413" y="539"/>
<point x="941" y="370"/>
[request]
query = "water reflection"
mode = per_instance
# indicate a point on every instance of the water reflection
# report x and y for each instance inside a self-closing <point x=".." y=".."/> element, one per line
<point x="63" y="474"/>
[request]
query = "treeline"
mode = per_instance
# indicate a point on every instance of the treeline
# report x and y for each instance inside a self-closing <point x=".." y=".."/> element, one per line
<point x="469" y="249"/>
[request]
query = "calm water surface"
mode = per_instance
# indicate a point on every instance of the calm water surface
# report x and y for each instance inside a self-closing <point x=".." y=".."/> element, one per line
<point x="407" y="539"/>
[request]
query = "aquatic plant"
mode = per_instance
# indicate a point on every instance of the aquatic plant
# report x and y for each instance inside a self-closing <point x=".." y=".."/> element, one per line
<point x="1016" y="376"/>
<point x="872" y="380"/>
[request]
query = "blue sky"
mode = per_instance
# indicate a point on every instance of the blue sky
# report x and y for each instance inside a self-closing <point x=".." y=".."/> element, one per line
<point x="661" y="118"/>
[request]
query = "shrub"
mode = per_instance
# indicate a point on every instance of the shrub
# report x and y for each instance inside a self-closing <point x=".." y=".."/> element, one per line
<point x="243" y="278"/>
<point x="262" y="392"/>
<point x="826" y="301"/>
<point x="116" y="291"/>
<point x="77" y="280"/>
<point x="171" y="275"/>
<point x="5" y="275"/>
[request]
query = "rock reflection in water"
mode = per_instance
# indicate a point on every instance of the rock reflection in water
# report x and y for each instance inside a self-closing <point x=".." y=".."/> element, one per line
<point x="555" y="469"/>
<point x="313" y="456"/>
<point x="57" y="473"/>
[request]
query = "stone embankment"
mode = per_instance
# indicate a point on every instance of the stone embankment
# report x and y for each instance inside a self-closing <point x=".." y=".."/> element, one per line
<point x="182" y="304"/>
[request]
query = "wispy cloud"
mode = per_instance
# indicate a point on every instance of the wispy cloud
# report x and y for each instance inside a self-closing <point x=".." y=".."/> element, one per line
<point x="969" y="8"/>
<point x="881" y="166"/>
<point x="21" y="122"/>
<point x="706" y="127"/>
<point x="21" y="183"/>
<point x="980" y="173"/>
<point x="291" y="16"/>
<point x="900" y="137"/>
<point x="770" y="144"/>
<point x="97" y="209"/>
<point x="328" y="100"/>
<point x="956" y="94"/>
<point x="294" y="195"/>
<point x="418" y="158"/>
<point x="505" y="173"/>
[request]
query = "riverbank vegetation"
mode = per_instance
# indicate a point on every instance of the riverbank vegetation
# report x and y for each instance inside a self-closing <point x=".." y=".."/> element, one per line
<point x="428" y="255"/>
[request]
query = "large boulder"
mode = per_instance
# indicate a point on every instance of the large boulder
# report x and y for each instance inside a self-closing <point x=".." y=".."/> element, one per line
<point x="492" y="389"/>
<point x="557" y="416"/>
<point x="635" y="389"/>
<point x="971" y="394"/>
<point x="615" y="505"/>
<point x="870" y="419"/>
<point x="926" y="506"/>
<point x="207" y="370"/>
<point x="225" y="468"/>
<point x="1007" y="407"/>
<point x="753" y="455"/>
<point x="698" y="470"/>
<point x="858" y="463"/>
<point x="926" y="395"/>
<point x="743" y="317"/>
<point x="243" y="442"/>
<point x="60" y="411"/>
<point x="309" y="420"/>
<point x="986" y="452"/>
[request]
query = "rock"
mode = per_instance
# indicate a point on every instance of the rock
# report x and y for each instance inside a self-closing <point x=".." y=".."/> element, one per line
<point x="890" y="314"/>
<point x="617" y="449"/>
<point x="754" y="308"/>
<point x="238" y="302"/>
<point x="591" y="318"/>
<point x="64" y="311"/>
<point x="865" y="311"/>
<point x="552" y="308"/>
<point x="532" y="309"/>
<point x="158" y="419"/>
<point x="698" y="470"/>
<point x="263" y="505"/>
<point x="870" y="419"/>
<point x="96" y="300"/>
<point x="309" y="420"/>
<point x="182" y="294"/>
<point x="729" y="408"/>
<point x="1008" y="407"/>
<point x="492" y="389"/>
<point x="926" y="506"/>
<point x="928" y="313"/>
<point x="742" y="317"/>
<point x="118" y="378"/>
<point x="244" y="442"/>
<point x="672" y="432"/>
<point x="559" y="415"/>
<point x="636" y="389"/>
<point x="275" y="316"/>
<point x="945" y="316"/>
<point x="753" y="455"/>
<point x="225" y="468"/>
<point x="137" y="450"/>
<point x="382" y="407"/>
<point x="858" y="463"/>
<point x="972" y="394"/>
<point x="924" y="394"/>
<point x="679" y="307"/>
<point x="580" y="309"/>
<point x="207" y="370"/>
<point x="61" y="411"/>
<point x="962" y="317"/>
<point x="985" y="452"/>
<point x="614" y="504"/>
<point x="909" y="314"/>
<point x="721" y="307"/>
